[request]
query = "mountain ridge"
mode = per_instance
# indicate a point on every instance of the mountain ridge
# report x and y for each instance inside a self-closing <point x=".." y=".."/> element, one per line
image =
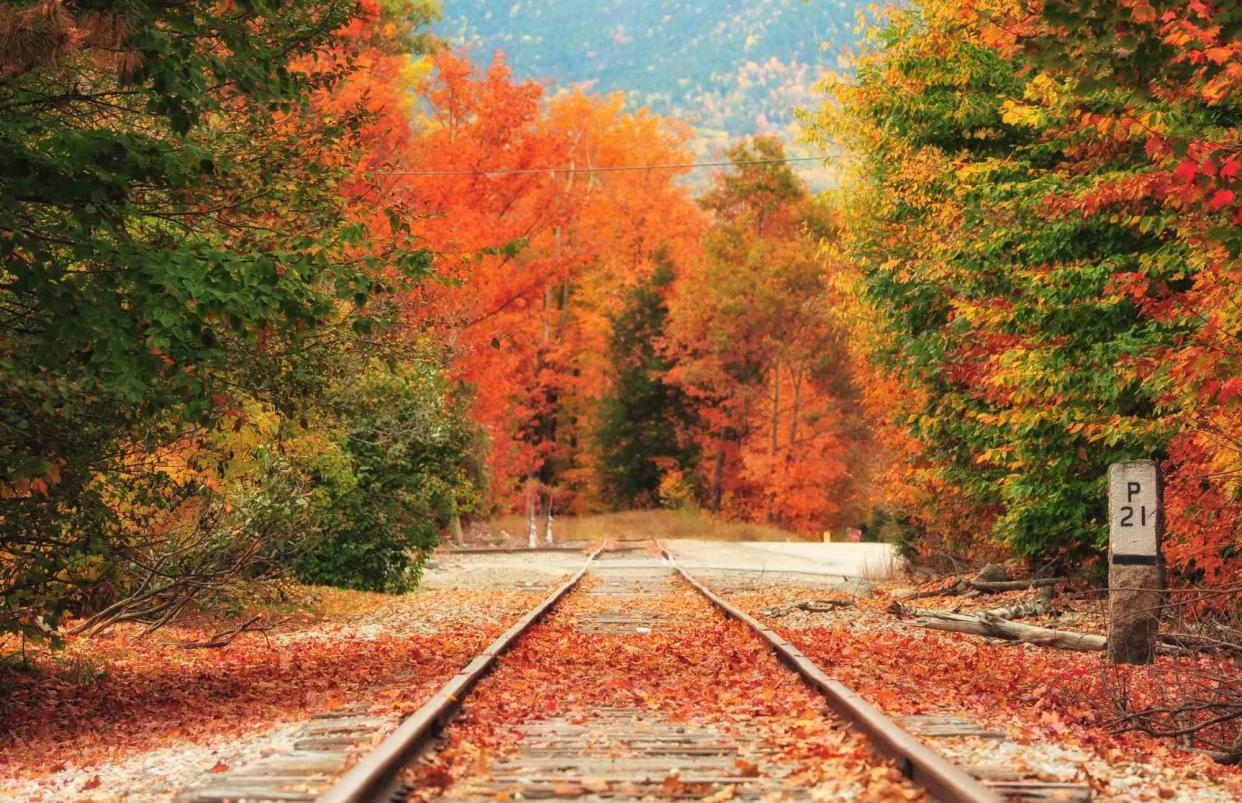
<point x="730" y="68"/>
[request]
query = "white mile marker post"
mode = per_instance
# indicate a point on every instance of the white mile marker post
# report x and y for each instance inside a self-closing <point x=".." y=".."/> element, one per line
<point x="1135" y="568"/>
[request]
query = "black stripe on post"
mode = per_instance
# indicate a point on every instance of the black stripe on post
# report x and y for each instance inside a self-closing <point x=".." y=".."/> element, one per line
<point x="1134" y="560"/>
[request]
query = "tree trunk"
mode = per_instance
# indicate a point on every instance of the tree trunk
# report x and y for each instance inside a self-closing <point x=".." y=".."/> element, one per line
<point x="718" y="478"/>
<point x="793" y="416"/>
<point x="773" y="440"/>
<point x="459" y="538"/>
<point x="532" y="534"/>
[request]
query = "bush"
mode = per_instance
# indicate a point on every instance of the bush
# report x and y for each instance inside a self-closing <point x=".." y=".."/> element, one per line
<point x="414" y="463"/>
<point x="206" y="547"/>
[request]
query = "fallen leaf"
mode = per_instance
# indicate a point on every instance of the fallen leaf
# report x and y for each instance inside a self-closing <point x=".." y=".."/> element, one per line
<point x="746" y="769"/>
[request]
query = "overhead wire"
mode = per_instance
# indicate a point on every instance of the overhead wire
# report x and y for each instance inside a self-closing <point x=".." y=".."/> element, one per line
<point x="606" y="169"/>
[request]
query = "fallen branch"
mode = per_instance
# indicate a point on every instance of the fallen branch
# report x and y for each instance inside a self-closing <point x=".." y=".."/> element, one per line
<point x="225" y="637"/>
<point x="1192" y="642"/>
<point x="997" y="586"/>
<point x="1037" y="608"/>
<point x="951" y="590"/>
<point x="971" y="588"/>
<point x="824" y="605"/>
<point x="988" y="624"/>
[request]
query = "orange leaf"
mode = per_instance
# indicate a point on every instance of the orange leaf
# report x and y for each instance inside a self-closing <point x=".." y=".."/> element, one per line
<point x="746" y="769"/>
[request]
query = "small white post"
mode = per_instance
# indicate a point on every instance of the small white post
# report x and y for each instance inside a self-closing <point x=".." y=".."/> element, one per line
<point x="1135" y="568"/>
<point x="532" y="535"/>
<point x="547" y="533"/>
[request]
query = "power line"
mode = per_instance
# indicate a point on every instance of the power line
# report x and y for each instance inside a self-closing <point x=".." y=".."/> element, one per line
<point x="612" y="169"/>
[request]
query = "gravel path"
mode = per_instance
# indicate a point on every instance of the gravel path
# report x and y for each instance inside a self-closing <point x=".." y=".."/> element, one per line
<point x="512" y="571"/>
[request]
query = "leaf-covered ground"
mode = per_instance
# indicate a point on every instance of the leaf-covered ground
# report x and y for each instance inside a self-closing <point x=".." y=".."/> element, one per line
<point x="1036" y="696"/>
<point x="102" y="714"/>
<point x="694" y="667"/>
<point x="142" y="718"/>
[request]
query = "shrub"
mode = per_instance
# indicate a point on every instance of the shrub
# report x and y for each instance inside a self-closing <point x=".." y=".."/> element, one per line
<point x="414" y="459"/>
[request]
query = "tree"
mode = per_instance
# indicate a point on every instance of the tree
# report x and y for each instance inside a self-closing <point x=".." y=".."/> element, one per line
<point x="174" y="247"/>
<point x="1041" y="258"/>
<point x="646" y="423"/>
<point x="758" y="352"/>
<point x="412" y="459"/>
<point x="536" y="260"/>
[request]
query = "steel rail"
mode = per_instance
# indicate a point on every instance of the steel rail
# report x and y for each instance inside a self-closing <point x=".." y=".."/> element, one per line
<point x="946" y="781"/>
<point x="508" y="550"/>
<point x="374" y="777"/>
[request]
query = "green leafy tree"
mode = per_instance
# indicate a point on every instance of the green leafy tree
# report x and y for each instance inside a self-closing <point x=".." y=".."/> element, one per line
<point x="171" y="240"/>
<point x="645" y="423"/>
<point x="414" y="462"/>
<point x="974" y="243"/>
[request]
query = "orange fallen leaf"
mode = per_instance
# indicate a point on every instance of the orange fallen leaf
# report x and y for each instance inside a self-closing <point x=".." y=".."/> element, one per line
<point x="746" y="769"/>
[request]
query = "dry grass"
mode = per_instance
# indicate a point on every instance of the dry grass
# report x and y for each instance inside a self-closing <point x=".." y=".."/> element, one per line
<point x="633" y="524"/>
<point x="883" y="569"/>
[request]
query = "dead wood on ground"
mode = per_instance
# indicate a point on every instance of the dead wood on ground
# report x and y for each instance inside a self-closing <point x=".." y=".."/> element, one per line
<point x="986" y="623"/>
<point x="226" y="637"/>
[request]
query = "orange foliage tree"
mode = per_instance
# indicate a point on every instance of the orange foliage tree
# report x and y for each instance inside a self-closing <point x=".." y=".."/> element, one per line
<point x="757" y="349"/>
<point x="534" y="249"/>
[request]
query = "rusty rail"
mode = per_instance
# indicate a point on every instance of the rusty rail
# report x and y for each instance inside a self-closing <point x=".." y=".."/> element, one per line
<point x="374" y="777"/>
<point x="507" y="550"/>
<point x="944" y="780"/>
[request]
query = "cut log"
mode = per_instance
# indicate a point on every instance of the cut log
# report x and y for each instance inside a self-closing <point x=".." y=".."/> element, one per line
<point x="994" y="587"/>
<point x="987" y="624"/>
<point x="1037" y="608"/>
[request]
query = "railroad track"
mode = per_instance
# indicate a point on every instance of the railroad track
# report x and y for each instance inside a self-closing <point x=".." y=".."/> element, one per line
<point x="608" y="740"/>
